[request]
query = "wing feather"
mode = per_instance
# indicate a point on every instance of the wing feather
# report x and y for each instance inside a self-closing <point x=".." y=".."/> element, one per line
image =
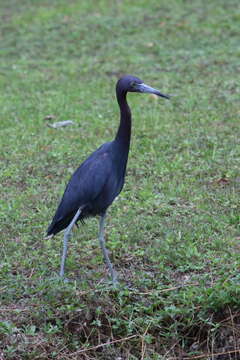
<point x="85" y="185"/>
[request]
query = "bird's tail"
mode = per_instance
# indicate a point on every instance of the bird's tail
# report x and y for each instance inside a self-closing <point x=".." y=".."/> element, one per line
<point x="48" y="236"/>
<point x="58" y="225"/>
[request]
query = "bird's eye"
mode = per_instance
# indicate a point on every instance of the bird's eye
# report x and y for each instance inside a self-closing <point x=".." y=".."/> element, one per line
<point x="133" y="84"/>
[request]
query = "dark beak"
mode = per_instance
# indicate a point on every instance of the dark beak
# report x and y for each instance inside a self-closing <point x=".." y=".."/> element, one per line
<point x="148" y="89"/>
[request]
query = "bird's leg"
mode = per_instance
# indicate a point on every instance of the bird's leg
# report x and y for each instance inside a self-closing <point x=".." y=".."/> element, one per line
<point x="104" y="250"/>
<point x="67" y="234"/>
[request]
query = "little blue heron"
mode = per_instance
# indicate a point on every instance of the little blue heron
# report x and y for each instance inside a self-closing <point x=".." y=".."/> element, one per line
<point x="100" y="178"/>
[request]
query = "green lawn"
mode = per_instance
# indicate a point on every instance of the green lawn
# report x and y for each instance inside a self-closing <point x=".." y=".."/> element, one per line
<point x="173" y="233"/>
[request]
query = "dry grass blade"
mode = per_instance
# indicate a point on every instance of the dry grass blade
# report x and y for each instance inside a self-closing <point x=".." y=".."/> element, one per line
<point x="208" y="355"/>
<point x="93" y="348"/>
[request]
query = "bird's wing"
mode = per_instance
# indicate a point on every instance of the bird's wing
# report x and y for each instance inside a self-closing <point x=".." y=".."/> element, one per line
<point x="88" y="180"/>
<point x="84" y="186"/>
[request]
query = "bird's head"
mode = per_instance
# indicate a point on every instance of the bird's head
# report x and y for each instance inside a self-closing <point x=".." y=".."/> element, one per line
<point x="131" y="83"/>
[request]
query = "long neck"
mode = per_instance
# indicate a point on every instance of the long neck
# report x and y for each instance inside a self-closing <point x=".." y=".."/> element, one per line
<point x="124" y="131"/>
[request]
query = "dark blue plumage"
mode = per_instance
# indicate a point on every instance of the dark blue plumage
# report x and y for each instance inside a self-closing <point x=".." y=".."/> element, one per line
<point x="94" y="185"/>
<point x="100" y="178"/>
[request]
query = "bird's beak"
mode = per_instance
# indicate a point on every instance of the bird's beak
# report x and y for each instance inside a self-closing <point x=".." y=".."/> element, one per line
<point x="148" y="89"/>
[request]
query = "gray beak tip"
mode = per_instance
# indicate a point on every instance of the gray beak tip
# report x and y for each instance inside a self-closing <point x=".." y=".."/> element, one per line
<point x="148" y="89"/>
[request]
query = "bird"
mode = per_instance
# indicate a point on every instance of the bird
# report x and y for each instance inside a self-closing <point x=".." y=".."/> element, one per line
<point x="100" y="178"/>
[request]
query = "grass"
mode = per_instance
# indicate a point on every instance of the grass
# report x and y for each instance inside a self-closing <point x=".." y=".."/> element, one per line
<point x="173" y="234"/>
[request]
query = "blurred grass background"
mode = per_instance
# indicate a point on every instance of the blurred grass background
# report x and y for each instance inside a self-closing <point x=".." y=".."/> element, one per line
<point x="173" y="233"/>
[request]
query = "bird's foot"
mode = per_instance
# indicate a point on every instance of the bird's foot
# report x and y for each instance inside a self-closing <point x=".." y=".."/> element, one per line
<point x="115" y="281"/>
<point x="61" y="275"/>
